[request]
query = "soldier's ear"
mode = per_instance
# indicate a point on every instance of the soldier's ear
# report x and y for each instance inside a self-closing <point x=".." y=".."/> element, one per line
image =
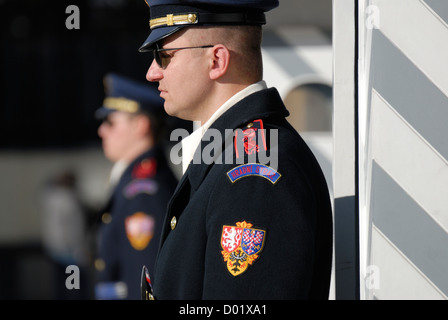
<point x="219" y="61"/>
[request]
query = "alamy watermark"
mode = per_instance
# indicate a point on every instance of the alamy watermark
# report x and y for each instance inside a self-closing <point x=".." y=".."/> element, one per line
<point x="73" y="280"/>
<point x="372" y="17"/>
<point x="73" y="20"/>
<point x="372" y="279"/>
<point x="231" y="147"/>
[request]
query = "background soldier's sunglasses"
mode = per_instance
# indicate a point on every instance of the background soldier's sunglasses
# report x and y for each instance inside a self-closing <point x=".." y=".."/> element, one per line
<point x="163" y="59"/>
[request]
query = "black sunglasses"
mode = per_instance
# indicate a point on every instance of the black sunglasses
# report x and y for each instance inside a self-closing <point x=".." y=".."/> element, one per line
<point x="164" y="59"/>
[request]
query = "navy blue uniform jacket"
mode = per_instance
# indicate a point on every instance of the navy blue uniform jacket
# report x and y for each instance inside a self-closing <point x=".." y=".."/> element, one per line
<point x="132" y="221"/>
<point x="249" y="231"/>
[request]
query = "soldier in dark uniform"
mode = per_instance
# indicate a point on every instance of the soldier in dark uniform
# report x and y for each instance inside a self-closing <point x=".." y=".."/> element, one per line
<point x="251" y="217"/>
<point x="131" y="223"/>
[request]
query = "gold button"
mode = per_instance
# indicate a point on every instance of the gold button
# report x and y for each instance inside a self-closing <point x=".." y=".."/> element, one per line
<point x="250" y="125"/>
<point x="173" y="223"/>
<point x="106" y="218"/>
<point x="149" y="296"/>
<point x="100" y="265"/>
<point x="192" y="18"/>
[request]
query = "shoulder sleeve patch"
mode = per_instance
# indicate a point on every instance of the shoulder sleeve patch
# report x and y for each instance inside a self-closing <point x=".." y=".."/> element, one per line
<point x="241" y="246"/>
<point x="139" y="229"/>
<point x="254" y="169"/>
<point x="136" y="186"/>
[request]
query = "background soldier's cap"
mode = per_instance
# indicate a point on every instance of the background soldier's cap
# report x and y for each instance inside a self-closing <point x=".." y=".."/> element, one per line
<point x="128" y="95"/>
<point x="169" y="16"/>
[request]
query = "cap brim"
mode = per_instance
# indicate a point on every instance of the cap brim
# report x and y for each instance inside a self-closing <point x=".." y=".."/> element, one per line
<point x="103" y="112"/>
<point x="157" y="35"/>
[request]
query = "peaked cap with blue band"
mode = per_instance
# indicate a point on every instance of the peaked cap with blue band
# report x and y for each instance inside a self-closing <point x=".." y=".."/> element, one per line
<point x="128" y="95"/>
<point x="170" y="16"/>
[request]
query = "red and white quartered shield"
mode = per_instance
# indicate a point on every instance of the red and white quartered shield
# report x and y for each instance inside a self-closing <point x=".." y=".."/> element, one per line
<point x="241" y="244"/>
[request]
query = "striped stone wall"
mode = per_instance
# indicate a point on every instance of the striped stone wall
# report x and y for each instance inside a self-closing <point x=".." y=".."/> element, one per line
<point x="403" y="149"/>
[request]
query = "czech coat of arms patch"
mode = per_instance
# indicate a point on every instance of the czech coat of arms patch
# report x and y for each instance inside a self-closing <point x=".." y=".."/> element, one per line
<point x="242" y="245"/>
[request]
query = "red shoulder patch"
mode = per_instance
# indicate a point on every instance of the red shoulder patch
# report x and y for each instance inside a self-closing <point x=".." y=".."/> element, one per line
<point x="251" y="136"/>
<point x="145" y="169"/>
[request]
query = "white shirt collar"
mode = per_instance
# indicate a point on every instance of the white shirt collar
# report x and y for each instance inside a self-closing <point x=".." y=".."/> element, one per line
<point x="116" y="172"/>
<point x="190" y="143"/>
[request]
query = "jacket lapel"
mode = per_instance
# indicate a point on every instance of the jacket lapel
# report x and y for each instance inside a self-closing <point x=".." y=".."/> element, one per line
<point x="176" y="205"/>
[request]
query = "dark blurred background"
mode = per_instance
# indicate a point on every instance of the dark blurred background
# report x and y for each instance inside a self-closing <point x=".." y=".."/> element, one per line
<point x="51" y="77"/>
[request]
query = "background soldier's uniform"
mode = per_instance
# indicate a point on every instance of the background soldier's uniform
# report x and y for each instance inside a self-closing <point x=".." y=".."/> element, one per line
<point x="130" y="224"/>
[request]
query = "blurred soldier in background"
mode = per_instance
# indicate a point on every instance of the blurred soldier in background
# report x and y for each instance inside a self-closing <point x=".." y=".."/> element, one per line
<point x="142" y="182"/>
<point x="64" y="233"/>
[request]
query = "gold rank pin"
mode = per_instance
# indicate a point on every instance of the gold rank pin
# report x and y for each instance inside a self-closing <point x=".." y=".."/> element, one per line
<point x="173" y="20"/>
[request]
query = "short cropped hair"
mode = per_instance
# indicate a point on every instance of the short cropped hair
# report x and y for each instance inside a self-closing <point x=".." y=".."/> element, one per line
<point x="243" y="42"/>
